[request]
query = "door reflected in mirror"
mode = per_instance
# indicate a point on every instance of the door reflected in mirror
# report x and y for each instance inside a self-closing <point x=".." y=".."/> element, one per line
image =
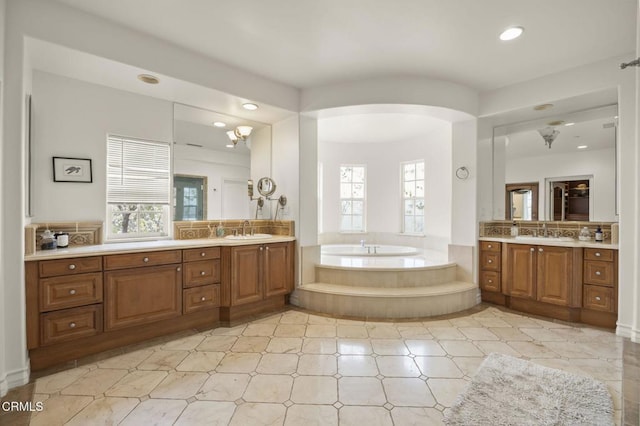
<point x="189" y="197"/>
<point x="521" y="201"/>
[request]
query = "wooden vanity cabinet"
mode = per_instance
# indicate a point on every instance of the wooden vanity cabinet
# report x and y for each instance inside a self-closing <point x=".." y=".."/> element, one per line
<point x="600" y="287"/>
<point x="201" y="279"/>
<point x="543" y="274"/>
<point x="255" y="279"/>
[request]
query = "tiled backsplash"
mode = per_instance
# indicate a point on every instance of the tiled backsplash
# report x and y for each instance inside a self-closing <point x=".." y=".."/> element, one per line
<point x="189" y="230"/>
<point x="502" y="228"/>
<point x="80" y="234"/>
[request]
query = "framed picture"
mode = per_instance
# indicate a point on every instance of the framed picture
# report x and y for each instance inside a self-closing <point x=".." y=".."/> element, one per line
<point x="72" y="170"/>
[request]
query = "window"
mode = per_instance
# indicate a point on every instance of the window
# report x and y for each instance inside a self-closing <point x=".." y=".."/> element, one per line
<point x="138" y="188"/>
<point x="352" y="191"/>
<point x="413" y="197"/>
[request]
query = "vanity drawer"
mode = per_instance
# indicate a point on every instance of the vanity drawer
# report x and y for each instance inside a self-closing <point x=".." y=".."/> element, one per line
<point x="201" y="273"/>
<point x="201" y="298"/>
<point x="70" y="324"/>
<point x="604" y="255"/>
<point x="599" y="273"/>
<point x="490" y="261"/>
<point x="490" y="246"/>
<point x="490" y="281"/>
<point x="598" y="298"/>
<point x="194" y="255"/>
<point x="70" y="291"/>
<point x="78" y="265"/>
<point x="135" y="260"/>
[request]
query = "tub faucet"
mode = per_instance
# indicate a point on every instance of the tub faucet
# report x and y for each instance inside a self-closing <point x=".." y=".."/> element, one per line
<point x="244" y="227"/>
<point x="361" y="243"/>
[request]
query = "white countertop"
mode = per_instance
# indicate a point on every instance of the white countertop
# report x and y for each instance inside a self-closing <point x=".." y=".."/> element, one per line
<point x="551" y="242"/>
<point x="135" y="247"/>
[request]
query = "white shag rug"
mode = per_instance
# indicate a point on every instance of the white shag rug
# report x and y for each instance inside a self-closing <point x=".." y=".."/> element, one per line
<point x="511" y="391"/>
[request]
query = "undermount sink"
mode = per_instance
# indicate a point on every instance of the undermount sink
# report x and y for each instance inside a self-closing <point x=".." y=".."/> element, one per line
<point x="248" y="237"/>
<point x="532" y="238"/>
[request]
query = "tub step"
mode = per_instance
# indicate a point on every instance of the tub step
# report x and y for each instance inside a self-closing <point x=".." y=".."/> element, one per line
<point x="377" y="302"/>
<point x="386" y="278"/>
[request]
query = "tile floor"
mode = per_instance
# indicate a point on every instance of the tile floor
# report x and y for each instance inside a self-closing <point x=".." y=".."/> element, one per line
<point x="297" y="368"/>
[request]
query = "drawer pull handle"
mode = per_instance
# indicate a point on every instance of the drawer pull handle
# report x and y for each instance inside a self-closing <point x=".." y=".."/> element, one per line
<point x="145" y="260"/>
<point x="178" y="269"/>
<point x="72" y="266"/>
<point x="598" y="254"/>
<point x="261" y="248"/>
<point x="203" y="254"/>
<point x="540" y="250"/>
<point x="267" y="247"/>
<point x="489" y="261"/>
<point x="598" y="298"/>
<point x="72" y="291"/>
<point x="598" y="273"/>
<point x="203" y="298"/>
<point x="532" y="249"/>
<point x="490" y="281"/>
<point x="72" y="325"/>
<point x="490" y="246"/>
<point x="203" y="273"/>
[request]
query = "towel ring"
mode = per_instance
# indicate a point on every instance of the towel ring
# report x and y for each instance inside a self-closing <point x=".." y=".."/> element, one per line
<point x="462" y="173"/>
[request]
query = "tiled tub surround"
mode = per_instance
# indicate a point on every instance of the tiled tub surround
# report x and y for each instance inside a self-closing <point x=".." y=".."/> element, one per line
<point x="297" y="368"/>
<point x="502" y="228"/>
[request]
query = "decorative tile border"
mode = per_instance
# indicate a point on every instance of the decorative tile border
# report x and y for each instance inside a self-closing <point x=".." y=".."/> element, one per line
<point x="80" y="234"/>
<point x="189" y="230"/>
<point x="502" y="228"/>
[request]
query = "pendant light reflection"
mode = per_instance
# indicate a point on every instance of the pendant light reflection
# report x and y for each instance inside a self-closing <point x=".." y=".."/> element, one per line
<point x="240" y="133"/>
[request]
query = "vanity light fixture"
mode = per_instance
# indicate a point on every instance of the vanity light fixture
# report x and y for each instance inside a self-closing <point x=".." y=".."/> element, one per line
<point x="239" y="133"/>
<point x="569" y="124"/>
<point x="549" y="134"/>
<point x="582" y="146"/>
<point x="219" y="124"/>
<point x="249" y="106"/>
<point x="148" y="78"/>
<point x="511" y="33"/>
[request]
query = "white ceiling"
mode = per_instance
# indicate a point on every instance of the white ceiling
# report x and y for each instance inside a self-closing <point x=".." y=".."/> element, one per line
<point x="310" y="43"/>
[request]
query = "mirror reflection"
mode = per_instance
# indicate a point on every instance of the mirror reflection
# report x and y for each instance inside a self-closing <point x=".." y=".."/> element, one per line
<point x="210" y="168"/>
<point x="558" y="168"/>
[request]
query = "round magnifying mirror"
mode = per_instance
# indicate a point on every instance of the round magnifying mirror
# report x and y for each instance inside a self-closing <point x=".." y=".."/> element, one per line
<point x="266" y="186"/>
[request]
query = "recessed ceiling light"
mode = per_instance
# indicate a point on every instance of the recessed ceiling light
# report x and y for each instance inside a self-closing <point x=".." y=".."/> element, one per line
<point x="148" y="78"/>
<point x="582" y="146"/>
<point x="229" y="145"/>
<point x="249" y="106"/>
<point x="542" y="107"/>
<point x="569" y="124"/>
<point x="511" y="33"/>
<point x="219" y="124"/>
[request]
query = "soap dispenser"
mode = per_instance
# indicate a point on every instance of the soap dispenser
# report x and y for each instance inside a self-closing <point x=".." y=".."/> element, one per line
<point x="219" y="230"/>
<point x="599" y="236"/>
<point x="514" y="229"/>
<point x="48" y="241"/>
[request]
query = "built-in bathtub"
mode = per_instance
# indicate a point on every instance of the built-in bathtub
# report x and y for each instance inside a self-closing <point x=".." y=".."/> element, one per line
<point x="380" y="256"/>
<point x="386" y="282"/>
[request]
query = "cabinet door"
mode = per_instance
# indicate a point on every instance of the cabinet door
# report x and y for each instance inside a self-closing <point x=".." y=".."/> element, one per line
<point x="277" y="269"/>
<point x="246" y="279"/>
<point x="554" y="274"/>
<point x="520" y="275"/>
<point x="142" y="295"/>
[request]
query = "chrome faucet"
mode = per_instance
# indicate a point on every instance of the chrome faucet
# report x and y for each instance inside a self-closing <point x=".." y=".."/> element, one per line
<point x="244" y="227"/>
<point x="544" y="230"/>
<point x="361" y="243"/>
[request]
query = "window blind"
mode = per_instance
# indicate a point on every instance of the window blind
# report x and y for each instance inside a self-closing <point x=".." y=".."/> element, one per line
<point x="138" y="172"/>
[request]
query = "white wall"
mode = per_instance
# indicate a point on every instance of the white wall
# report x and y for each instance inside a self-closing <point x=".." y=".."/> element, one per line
<point x="383" y="190"/>
<point x="72" y="119"/>
<point x="596" y="163"/>
<point x="3" y="320"/>
<point x="285" y="153"/>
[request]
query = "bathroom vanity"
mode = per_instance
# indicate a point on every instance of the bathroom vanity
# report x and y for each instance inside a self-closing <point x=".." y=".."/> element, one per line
<point x="568" y="280"/>
<point x="89" y="299"/>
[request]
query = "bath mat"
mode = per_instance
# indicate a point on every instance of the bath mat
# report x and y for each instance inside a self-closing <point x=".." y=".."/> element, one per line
<point x="511" y="391"/>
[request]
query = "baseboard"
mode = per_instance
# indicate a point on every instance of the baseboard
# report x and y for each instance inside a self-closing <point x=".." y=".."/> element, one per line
<point x="294" y="299"/>
<point x="629" y="332"/>
<point x="13" y="379"/>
